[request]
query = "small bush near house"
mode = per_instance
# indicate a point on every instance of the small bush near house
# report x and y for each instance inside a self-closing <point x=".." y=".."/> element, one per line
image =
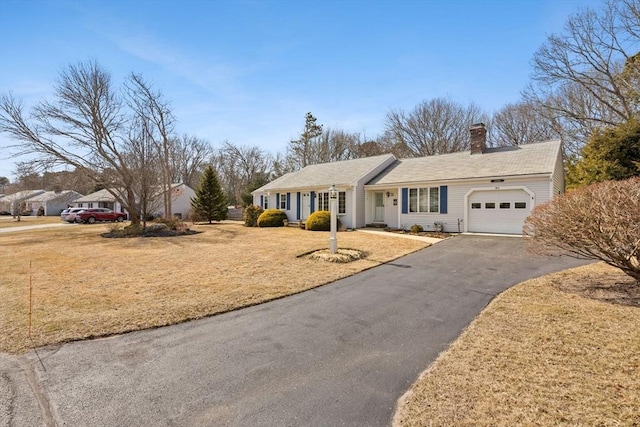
<point x="600" y="221"/>
<point x="416" y="228"/>
<point x="251" y="215"/>
<point x="320" y="221"/>
<point x="272" y="218"/>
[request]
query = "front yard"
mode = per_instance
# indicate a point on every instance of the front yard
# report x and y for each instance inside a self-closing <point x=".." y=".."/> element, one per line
<point x="86" y="286"/>
<point x="552" y="351"/>
<point x="557" y="350"/>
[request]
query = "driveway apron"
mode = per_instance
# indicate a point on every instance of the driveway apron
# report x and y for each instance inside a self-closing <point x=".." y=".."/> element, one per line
<point x="338" y="355"/>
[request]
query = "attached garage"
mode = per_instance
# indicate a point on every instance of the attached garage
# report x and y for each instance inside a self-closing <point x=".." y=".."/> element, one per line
<point x="498" y="211"/>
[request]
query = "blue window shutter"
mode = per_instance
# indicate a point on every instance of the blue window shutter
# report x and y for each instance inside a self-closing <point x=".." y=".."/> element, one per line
<point x="288" y="201"/>
<point x="405" y="200"/>
<point x="313" y="202"/>
<point x="443" y="199"/>
<point x="277" y="200"/>
<point x="298" y="206"/>
<point x="261" y="201"/>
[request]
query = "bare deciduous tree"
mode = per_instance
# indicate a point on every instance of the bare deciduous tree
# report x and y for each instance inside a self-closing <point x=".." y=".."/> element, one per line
<point x="189" y="155"/>
<point x="577" y="74"/>
<point x="438" y="126"/>
<point x="156" y="120"/>
<point x="334" y="145"/>
<point x="143" y="156"/>
<point x="88" y="127"/>
<point x="369" y="148"/>
<point x="239" y="166"/>
<point x="522" y="123"/>
<point x="601" y="221"/>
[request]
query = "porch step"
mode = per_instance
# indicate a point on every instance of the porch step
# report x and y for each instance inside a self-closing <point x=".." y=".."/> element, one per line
<point x="376" y="225"/>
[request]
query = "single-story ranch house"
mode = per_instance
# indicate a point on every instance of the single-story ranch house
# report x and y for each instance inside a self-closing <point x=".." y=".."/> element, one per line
<point x="51" y="202"/>
<point x="181" y="195"/>
<point x="486" y="190"/>
<point x="15" y="203"/>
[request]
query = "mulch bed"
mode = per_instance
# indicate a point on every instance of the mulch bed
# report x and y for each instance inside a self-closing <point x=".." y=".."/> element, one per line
<point x="434" y="234"/>
<point x="615" y="287"/>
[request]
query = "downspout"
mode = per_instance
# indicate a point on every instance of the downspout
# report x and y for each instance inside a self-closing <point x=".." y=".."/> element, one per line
<point x="354" y="204"/>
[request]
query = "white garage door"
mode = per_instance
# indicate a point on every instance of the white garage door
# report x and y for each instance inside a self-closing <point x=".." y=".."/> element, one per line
<point x="498" y="211"/>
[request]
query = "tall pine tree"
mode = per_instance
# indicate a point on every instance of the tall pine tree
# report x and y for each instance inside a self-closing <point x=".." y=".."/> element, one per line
<point x="210" y="202"/>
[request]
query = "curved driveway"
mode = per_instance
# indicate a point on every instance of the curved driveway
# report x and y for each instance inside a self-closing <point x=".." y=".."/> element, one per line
<point x="339" y="355"/>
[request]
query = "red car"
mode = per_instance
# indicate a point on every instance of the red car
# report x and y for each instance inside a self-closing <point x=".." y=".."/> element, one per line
<point x="91" y="215"/>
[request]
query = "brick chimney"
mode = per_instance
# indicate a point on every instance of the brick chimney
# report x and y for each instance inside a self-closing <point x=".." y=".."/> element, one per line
<point x="478" y="138"/>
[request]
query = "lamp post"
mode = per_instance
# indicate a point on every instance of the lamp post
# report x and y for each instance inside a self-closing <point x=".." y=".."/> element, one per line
<point x="333" y="202"/>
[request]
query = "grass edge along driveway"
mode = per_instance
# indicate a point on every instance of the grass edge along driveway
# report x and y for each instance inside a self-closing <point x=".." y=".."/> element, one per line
<point x="537" y="355"/>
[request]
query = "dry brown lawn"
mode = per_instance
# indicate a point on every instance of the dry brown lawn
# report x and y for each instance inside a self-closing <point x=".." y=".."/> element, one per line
<point x="85" y="285"/>
<point x="8" y="221"/>
<point x="553" y="351"/>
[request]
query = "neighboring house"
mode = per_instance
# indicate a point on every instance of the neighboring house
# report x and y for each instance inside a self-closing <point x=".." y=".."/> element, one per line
<point x="487" y="190"/>
<point x="15" y="203"/>
<point x="181" y="195"/>
<point x="51" y="202"/>
<point x="305" y="191"/>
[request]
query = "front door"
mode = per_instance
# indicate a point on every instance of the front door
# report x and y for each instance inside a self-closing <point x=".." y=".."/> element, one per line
<point x="306" y="206"/>
<point x="378" y="209"/>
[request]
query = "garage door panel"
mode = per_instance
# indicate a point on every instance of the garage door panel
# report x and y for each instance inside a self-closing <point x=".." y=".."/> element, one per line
<point x="498" y="211"/>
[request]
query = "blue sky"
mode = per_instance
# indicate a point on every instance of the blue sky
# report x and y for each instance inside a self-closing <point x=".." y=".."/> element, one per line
<point x="248" y="71"/>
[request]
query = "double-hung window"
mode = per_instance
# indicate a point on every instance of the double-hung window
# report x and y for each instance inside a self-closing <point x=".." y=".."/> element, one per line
<point x="283" y="201"/>
<point x="323" y="202"/>
<point x="424" y="200"/>
<point x="342" y="202"/>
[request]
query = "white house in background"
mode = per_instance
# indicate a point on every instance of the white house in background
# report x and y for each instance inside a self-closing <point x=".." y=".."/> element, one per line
<point x="305" y="191"/>
<point x="51" y="202"/>
<point x="181" y="196"/>
<point x="486" y="190"/>
<point x="15" y="203"/>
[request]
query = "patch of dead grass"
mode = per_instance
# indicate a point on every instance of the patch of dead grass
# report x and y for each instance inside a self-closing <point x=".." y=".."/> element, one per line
<point x="537" y="355"/>
<point x="88" y="286"/>
<point x="9" y="222"/>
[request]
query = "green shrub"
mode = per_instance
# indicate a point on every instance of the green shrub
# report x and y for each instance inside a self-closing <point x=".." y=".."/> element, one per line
<point x="416" y="228"/>
<point x="251" y="215"/>
<point x="320" y="221"/>
<point x="272" y="218"/>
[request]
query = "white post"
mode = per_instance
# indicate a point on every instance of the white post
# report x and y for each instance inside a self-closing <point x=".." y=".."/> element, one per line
<point x="333" y="202"/>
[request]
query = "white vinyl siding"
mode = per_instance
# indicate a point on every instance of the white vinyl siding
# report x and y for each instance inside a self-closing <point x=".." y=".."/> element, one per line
<point x="453" y="220"/>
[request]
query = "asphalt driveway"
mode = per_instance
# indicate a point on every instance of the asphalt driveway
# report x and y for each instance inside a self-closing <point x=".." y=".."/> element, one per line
<point x="339" y="355"/>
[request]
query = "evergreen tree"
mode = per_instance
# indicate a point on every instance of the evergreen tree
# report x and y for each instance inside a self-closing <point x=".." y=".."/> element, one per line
<point x="210" y="202"/>
<point x="610" y="154"/>
<point x="301" y="151"/>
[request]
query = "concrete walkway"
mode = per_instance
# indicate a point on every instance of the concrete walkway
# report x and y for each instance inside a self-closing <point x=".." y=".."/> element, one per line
<point x="399" y="235"/>
<point x="338" y="355"/>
